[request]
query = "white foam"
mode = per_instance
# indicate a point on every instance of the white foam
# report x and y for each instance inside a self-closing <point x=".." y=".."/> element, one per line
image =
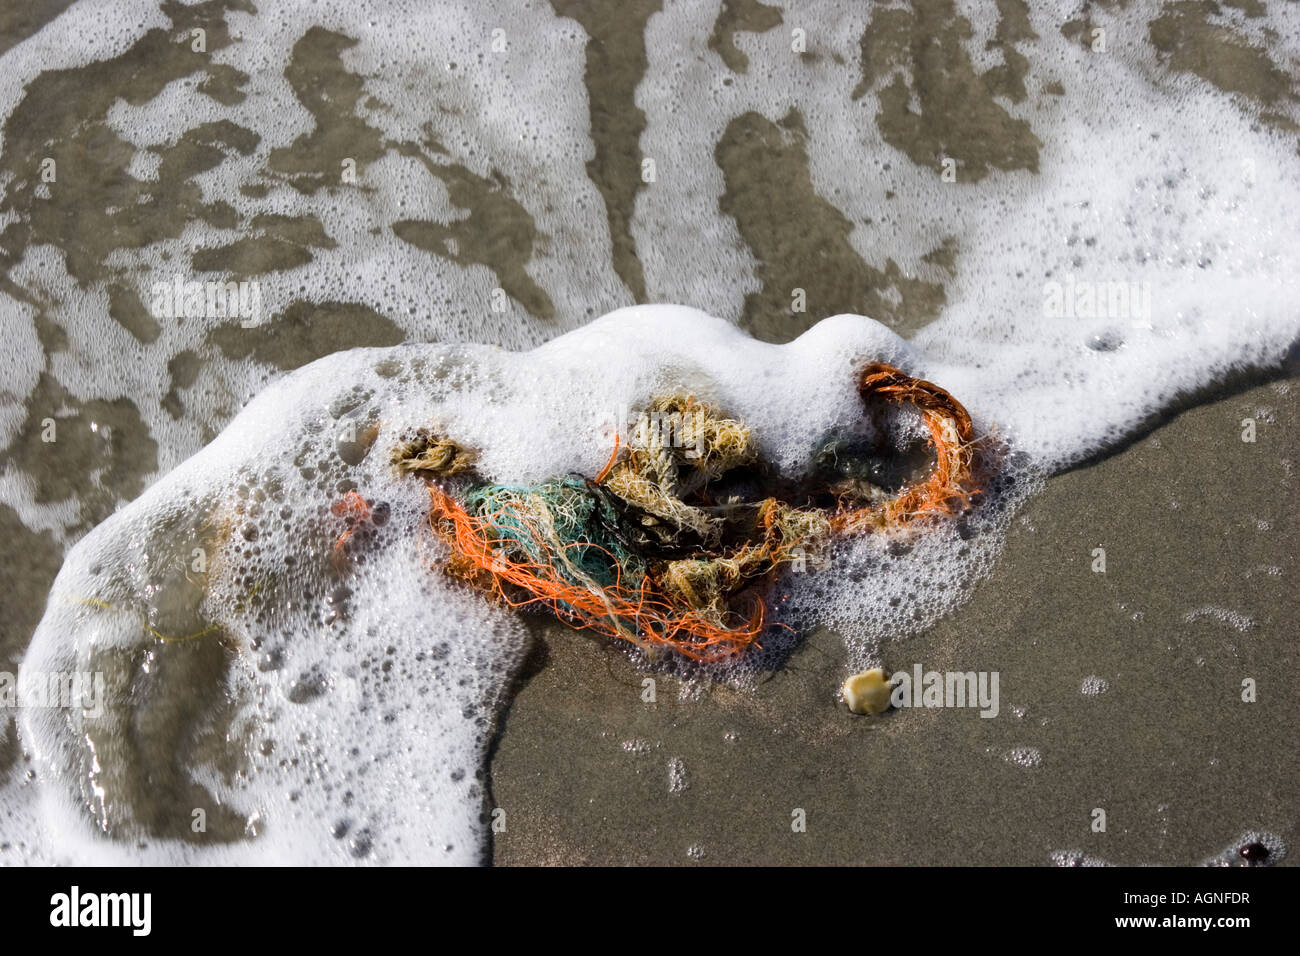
<point x="270" y="477"/>
<point x="1145" y="178"/>
<point x="256" y="501"/>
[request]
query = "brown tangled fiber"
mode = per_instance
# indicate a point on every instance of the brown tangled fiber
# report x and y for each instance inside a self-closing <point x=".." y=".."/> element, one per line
<point x="677" y="447"/>
<point x="434" y="456"/>
<point x="647" y="552"/>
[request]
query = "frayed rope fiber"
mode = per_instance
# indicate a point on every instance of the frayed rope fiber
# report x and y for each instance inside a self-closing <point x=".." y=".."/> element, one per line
<point x="651" y="551"/>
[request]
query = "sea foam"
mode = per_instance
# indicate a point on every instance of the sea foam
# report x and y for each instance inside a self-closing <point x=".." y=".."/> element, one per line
<point x="361" y="697"/>
<point x="345" y="713"/>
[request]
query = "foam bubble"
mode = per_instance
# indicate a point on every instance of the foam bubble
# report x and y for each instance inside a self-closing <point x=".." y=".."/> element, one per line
<point x="343" y="715"/>
<point x="360" y="699"/>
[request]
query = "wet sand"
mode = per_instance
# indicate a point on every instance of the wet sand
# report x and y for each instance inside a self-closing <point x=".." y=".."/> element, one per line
<point x="1190" y="517"/>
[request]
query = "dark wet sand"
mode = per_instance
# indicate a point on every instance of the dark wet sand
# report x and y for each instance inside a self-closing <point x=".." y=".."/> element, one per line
<point x="1180" y="764"/>
<point x="582" y="766"/>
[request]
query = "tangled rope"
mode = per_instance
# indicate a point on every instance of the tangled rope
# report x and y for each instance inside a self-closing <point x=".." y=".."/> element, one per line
<point x="651" y="551"/>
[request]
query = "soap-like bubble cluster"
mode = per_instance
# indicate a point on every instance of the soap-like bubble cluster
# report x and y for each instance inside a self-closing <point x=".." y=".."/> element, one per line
<point x="353" y="684"/>
<point x="282" y="651"/>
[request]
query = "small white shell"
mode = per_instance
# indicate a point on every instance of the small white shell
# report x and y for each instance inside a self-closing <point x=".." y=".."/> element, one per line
<point x="868" y="692"/>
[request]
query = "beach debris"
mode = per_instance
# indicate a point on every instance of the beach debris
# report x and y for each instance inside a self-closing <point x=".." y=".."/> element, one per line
<point x="361" y="518"/>
<point x="354" y="509"/>
<point x="949" y="487"/>
<point x="677" y="447"/>
<point x="434" y="456"/>
<point x="867" y="692"/>
<point x="516" y="552"/>
<point x="675" y="544"/>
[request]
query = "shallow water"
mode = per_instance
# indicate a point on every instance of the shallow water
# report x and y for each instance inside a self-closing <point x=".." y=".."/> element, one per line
<point x="446" y="174"/>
